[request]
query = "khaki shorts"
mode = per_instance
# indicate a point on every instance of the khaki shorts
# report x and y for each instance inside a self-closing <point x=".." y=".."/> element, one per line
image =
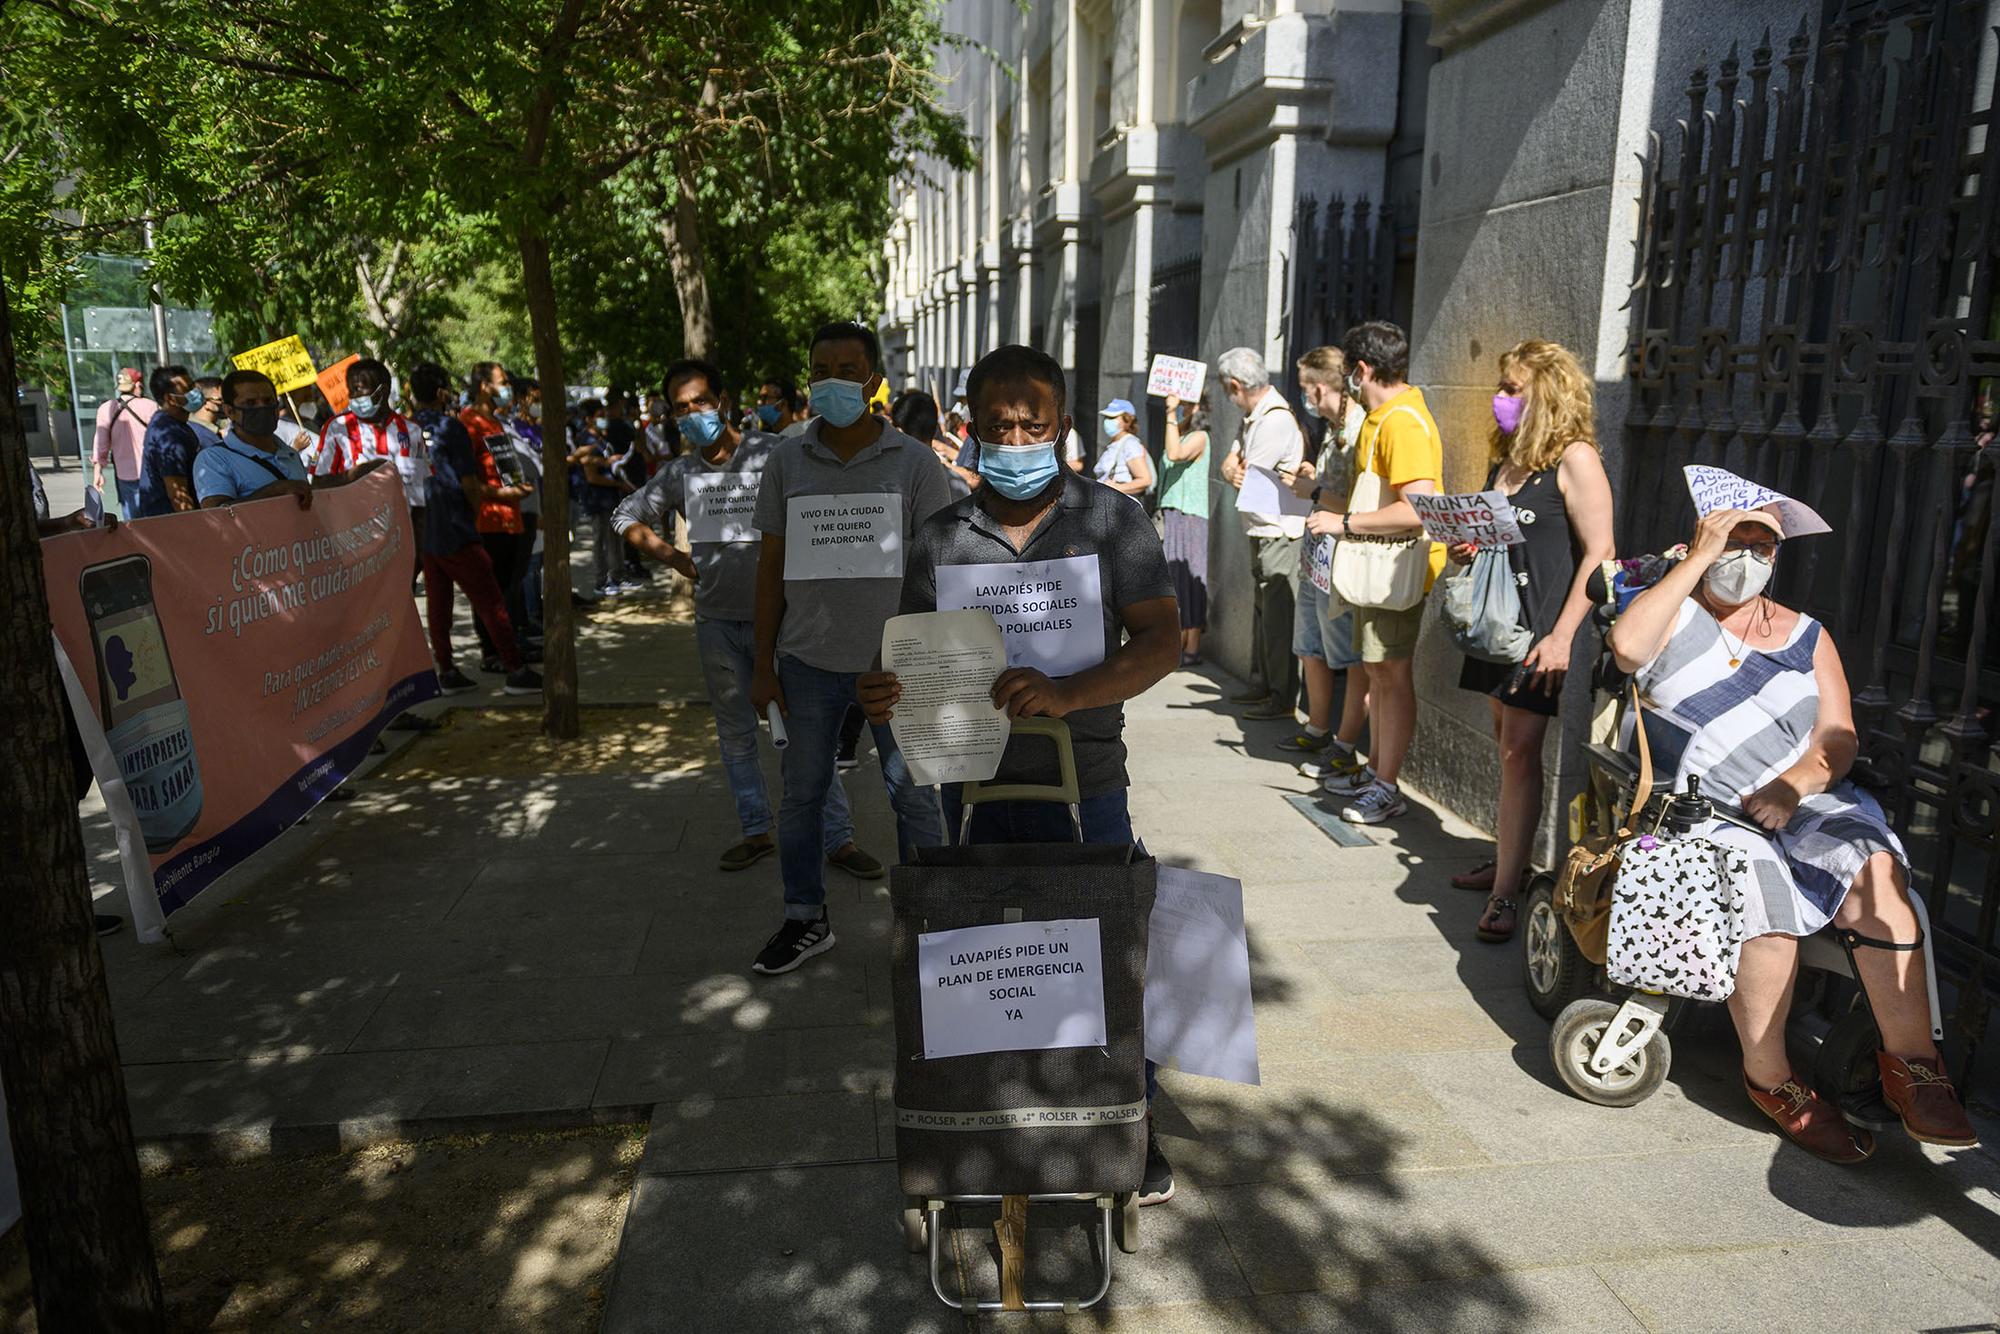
<point x="1387" y="636"/>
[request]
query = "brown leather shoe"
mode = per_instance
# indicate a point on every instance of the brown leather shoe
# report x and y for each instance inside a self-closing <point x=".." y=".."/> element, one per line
<point x="1811" y="1122"/>
<point x="1921" y="1093"/>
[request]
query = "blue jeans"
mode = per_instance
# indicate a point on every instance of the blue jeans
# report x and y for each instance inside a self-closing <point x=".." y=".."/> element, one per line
<point x="816" y="701"/>
<point x="726" y="650"/>
<point x="1106" y="818"/>
<point x="128" y="497"/>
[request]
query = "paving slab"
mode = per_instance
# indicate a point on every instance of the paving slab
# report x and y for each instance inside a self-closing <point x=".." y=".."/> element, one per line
<point x="647" y="1070"/>
<point x="791" y="1249"/>
<point x="1881" y="1284"/>
<point x="704" y="1133"/>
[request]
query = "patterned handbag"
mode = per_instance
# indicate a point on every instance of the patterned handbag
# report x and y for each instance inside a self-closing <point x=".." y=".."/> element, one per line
<point x="1677" y="917"/>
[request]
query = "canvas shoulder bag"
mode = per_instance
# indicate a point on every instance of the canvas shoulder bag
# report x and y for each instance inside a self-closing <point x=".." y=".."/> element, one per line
<point x="1386" y="573"/>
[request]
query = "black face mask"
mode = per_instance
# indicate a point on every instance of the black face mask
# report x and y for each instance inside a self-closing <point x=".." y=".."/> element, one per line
<point x="258" y="421"/>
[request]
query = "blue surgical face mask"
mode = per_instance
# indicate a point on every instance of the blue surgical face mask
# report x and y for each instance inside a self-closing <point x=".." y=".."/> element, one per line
<point x="1306" y="401"/>
<point x="768" y="414"/>
<point x="839" y="402"/>
<point x="602" y="423"/>
<point x="192" y="401"/>
<point x="1018" y="472"/>
<point x="703" y="428"/>
<point x="503" y="395"/>
<point x="362" y="405"/>
<point x="1111" y="428"/>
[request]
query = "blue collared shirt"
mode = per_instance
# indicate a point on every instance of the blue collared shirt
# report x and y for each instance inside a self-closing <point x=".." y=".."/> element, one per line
<point x="237" y="469"/>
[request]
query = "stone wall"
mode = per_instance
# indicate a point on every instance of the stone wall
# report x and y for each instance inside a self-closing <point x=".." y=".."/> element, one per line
<point x="1539" y="116"/>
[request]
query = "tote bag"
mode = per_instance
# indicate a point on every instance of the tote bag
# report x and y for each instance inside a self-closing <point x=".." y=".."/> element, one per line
<point x="1386" y="573"/>
<point x="1482" y="609"/>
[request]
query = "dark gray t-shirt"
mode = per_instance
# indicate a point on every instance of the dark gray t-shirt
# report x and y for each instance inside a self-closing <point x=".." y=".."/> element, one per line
<point x="835" y="624"/>
<point x="1089" y="519"/>
<point x="726" y="589"/>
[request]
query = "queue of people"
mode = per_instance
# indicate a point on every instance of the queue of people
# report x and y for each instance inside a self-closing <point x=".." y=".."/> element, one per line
<point x="1740" y="691"/>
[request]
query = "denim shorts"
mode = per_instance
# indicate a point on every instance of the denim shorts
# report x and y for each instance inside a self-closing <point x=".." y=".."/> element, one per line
<point x="1316" y="634"/>
<point x="1309" y="613"/>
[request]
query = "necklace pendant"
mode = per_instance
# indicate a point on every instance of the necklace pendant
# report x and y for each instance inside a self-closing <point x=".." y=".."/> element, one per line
<point x="1736" y="662"/>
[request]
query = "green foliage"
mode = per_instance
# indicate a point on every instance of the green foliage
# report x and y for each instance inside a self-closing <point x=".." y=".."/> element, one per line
<point x="358" y="173"/>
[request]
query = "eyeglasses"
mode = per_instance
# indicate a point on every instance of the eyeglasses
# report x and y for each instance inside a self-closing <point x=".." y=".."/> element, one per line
<point x="1765" y="550"/>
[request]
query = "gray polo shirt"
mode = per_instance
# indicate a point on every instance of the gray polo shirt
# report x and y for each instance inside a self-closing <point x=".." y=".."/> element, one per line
<point x="727" y="587"/>
<point x="1088" y="519"/>
<point x="836" y="624"/>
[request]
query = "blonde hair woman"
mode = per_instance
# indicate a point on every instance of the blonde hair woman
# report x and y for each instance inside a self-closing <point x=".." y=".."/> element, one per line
<point x="1545" y="459"/>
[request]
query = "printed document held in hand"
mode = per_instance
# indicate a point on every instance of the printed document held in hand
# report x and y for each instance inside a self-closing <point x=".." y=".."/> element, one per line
<point x="1264" y="492"/>
<point x="946" y="724"/>
<point x="1198" y="1010"/>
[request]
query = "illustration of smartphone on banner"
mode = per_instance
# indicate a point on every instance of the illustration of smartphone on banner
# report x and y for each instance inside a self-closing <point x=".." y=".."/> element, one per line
<point x="145" y="718"/>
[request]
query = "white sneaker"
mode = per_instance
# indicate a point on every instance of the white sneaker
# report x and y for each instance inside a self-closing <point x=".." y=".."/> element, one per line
<point x="1338" y="762"/>
<point x="1345" y="782"/>
<point x="1375" y="803"/>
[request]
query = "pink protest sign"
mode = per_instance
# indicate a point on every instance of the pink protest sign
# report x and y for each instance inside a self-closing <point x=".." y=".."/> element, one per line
<point x="229" y="667"/>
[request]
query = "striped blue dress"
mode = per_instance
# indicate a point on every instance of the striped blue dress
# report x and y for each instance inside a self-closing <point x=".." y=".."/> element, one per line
<point x="1740" y="727"/>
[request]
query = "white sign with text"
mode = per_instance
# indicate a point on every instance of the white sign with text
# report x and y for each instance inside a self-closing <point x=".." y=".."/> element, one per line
<point x="1051" y="612"/>
<point x="1480" y="518"/>
<point x="1020" y="986"/>
<point x="1176" y="376"/>
<point x="720" y="506"/>
<point x="844" y="537"/>
<point x="1719" y="489"/>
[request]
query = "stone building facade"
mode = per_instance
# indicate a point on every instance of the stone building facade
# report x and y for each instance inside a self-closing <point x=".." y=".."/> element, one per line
<point x="1140" y="167"/>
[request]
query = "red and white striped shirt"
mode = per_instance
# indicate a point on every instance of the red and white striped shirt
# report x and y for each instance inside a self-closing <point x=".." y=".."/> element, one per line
<point x="347" y="442"/>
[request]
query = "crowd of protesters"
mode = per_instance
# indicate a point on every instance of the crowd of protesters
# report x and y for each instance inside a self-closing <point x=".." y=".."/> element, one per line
<point x="1001" y="477"/>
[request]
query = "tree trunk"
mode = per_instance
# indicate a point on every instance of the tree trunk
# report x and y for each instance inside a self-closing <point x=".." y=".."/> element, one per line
<point x="559" y="699"/>
<point x="680" y="230"/>
<point x="88" y="1244"/>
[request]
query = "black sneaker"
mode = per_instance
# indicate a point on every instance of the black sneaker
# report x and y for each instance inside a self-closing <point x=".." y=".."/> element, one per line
<point x="107" y="924"/>
<point x="452" y="681"/>
<point x="1157" y="1186"/>
<point x="793" y="944"/>
<point x="527" y="681"/>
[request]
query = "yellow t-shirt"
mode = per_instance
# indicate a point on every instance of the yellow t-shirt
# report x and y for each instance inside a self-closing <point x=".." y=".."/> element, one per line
<point x="1400" y="443"/>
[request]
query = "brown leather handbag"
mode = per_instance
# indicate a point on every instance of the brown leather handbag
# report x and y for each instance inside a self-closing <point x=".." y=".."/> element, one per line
<point x="1583" y="890"/>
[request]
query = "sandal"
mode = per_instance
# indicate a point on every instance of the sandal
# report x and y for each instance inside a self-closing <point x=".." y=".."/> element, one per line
<point x="1479" y="877"/>
<point x="1489" y="928"/>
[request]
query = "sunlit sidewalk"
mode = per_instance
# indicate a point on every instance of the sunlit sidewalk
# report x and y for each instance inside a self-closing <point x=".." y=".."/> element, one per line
<point x="485" y="936"/>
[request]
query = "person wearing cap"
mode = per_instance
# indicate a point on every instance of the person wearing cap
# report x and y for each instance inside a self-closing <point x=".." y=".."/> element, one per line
<point x="1749" y="696"/>
<point x="1123" y="464"/>
<point x="121" y="439"/>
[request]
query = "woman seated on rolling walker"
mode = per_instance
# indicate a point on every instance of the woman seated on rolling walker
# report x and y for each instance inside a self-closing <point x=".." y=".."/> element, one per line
<point x="1749" y="696"/>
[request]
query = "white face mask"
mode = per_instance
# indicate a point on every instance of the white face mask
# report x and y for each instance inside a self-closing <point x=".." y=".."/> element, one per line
<point x="1737" y="577"/>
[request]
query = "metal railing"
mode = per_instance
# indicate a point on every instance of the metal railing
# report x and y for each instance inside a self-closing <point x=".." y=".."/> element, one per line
<point x="1814" y="309"/>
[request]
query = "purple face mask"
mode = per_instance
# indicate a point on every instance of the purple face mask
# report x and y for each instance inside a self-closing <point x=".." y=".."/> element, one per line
<point x="1507" y="412"/>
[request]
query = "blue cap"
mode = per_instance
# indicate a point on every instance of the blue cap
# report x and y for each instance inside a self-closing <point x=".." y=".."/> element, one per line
<point x="1119" y="407"/>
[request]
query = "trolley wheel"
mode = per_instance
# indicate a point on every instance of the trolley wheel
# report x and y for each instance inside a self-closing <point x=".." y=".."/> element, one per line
<point x="1844" y="1070"/>
<point x="1126" y="1224"/>
<point x="1555" y="969"/>
<point x="916" y="1229"/>
<point x="1578" y="1030"/>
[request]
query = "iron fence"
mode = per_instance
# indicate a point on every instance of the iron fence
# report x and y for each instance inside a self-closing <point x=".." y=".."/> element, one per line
<point x="1343" y="272"/>
<point x="1814" y="309"/>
